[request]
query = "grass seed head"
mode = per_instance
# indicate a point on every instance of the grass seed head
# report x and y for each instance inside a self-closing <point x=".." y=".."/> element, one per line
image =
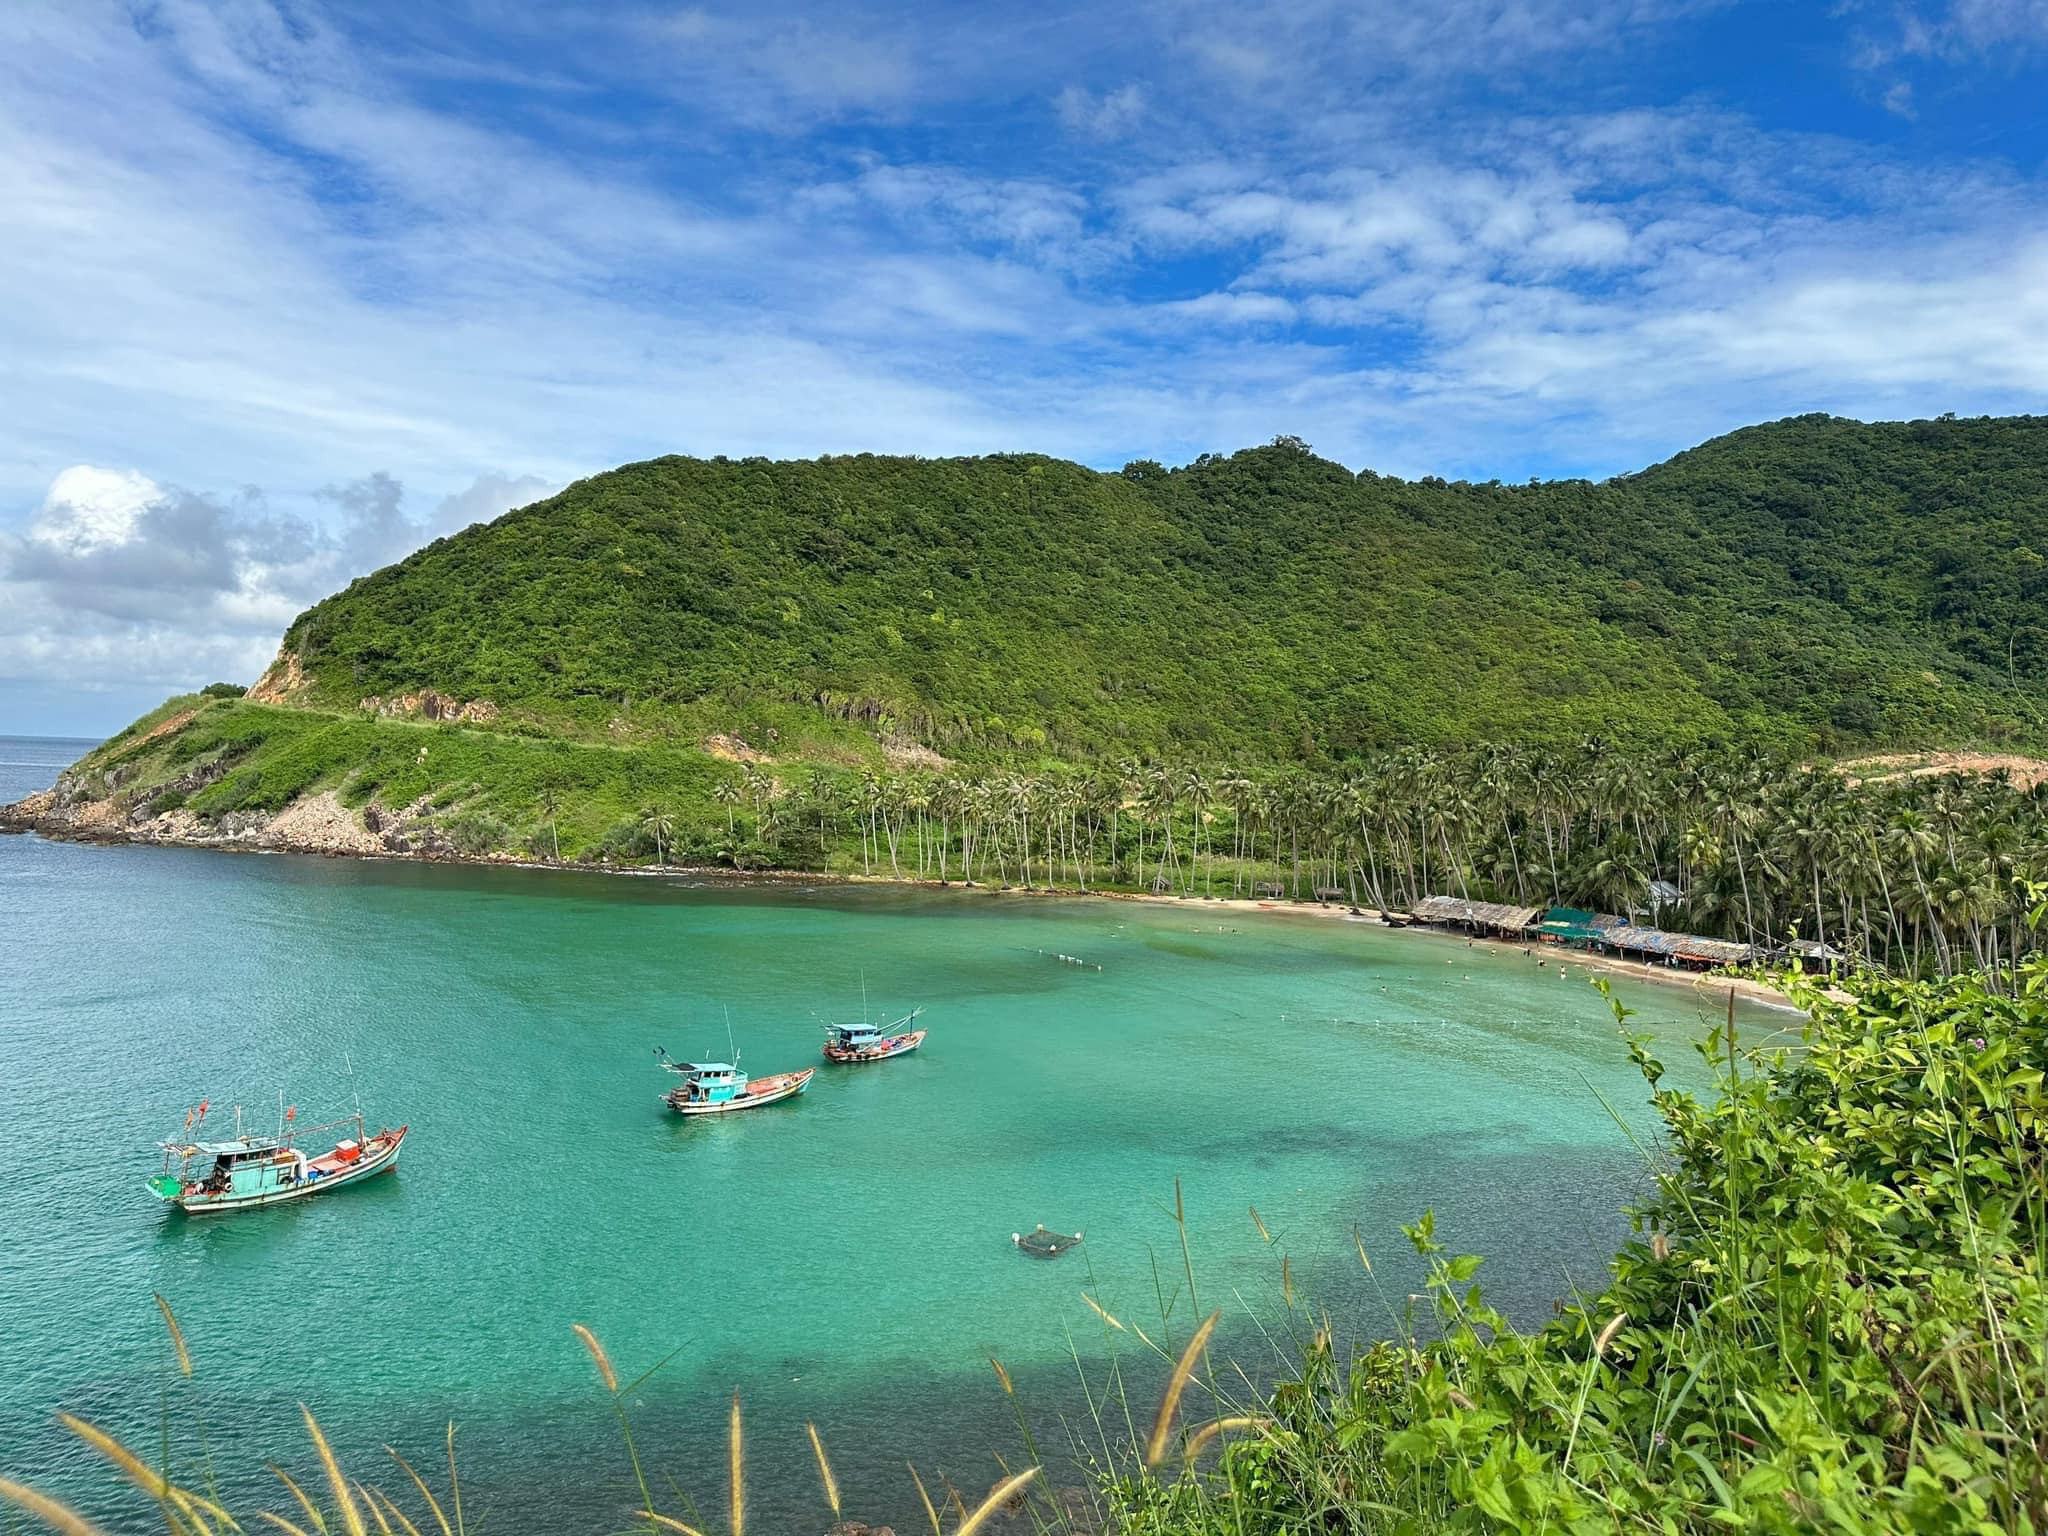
<point x="824" y="1469"/>
<point x="344" y="1501"/>
<point x="737" y="1469"/>
<point x="998" y="1497"/>
<point x="177" y="1336"/>
<point x="1176" y="1384"/>
<point x="58" y="1517"/>
<point x="1606" y="1335"/>
<point x="604" y="1361"/>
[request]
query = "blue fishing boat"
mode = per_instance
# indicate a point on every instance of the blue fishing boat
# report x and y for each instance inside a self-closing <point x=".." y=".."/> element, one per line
<point x="872" y="1042"/>
<point x="716" y="1087"/>
<point x="205" y="1177"/>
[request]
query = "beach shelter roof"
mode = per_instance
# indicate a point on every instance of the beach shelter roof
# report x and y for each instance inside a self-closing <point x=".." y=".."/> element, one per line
<point x="1813" y="949"/>
<point x="1715" y="951"/>
<point x="1489" y="914"/>
<point x="1686" y="946"/>
<point x="1575" y="923"/>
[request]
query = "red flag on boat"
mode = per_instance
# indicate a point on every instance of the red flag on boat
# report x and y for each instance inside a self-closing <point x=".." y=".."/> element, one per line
<point x="202" y="1107"/>
<point x="292" y="1113"/>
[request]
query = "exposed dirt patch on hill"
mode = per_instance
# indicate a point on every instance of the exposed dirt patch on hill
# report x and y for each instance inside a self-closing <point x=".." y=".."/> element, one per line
<point x="902" y="752"/>
<point x="2026" y="771"/>
<point x="164" y="727"/>
<point x="284" y="678"/>
<point x="429" y="705"/>
<point x="733" y="750"/>
<point x="322" y="824"/>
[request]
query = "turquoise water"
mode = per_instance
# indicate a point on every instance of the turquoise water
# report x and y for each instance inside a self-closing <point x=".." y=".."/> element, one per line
<point x="845" y="1258"/>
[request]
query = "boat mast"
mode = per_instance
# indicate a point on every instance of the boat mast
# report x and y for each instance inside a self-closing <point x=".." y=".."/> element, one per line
<point x="349" y="1062"/>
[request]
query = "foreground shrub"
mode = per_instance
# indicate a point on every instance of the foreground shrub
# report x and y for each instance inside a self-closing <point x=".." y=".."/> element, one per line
<point x="1833" y="1318"/>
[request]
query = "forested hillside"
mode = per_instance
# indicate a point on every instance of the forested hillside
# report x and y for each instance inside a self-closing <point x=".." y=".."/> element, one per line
<point x="1821" y="582"/>
<point x="1258" y="670"/>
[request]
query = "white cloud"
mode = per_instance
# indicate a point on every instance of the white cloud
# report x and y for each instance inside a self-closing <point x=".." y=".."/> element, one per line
<point x="1964" y="27"/>
<point x="1226" y="309"/>
<point x="782" y="71"/>
<point x="89" y="508"/>
<point x="488" y="498"/>
<point x="119" y="577"/>
<point x="1100" y="115"/>
<point x="943" y="204"/>
<point x="1897" y="37"/>
<point x="247" y="245"/>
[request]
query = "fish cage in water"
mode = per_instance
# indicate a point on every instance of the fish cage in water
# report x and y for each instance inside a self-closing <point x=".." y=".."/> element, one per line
<point x="1042" y="1244"/>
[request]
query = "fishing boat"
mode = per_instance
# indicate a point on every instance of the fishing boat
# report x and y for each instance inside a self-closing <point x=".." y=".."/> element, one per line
<point x="205" y="1177"/>
<point x="873" y="1042"/>
<point x="715" y="1087"/>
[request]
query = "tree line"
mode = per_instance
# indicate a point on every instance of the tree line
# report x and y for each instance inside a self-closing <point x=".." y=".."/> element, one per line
<point x="1922" y="873"/>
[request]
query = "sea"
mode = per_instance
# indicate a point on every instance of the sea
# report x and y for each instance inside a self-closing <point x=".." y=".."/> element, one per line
<point x="1238" y="1112"/>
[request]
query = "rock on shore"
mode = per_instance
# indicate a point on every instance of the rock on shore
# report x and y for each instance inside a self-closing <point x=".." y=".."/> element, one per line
<point x="316" y="823"/>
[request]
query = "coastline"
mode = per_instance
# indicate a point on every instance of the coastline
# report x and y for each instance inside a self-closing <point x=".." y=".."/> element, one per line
<point x="317" y="826"/>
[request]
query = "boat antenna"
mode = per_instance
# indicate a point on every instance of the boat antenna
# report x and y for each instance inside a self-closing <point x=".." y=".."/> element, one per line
<point x="729" y="1045"/>
<point x="349" y="1061"/>
<point x="863" y="994"/>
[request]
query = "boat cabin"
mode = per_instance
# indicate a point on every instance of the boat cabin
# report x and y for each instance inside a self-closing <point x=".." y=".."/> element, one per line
<point x="854" y="1037"/>
<point x="709" y="1082"/>
<point x="249" y="1165"/>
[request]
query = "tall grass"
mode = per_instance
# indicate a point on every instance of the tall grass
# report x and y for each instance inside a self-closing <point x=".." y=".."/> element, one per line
<point x="338" y="1504"/>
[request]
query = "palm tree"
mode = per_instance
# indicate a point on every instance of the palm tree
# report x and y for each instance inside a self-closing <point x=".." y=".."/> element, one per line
<point x="657" y="822"/>
<point x="550" y="807"/>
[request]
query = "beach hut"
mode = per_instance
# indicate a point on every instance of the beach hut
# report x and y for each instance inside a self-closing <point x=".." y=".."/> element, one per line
<point x="1479" y="917"/>
<point x="1696" y="950"/>
<point x="1689" y="949"/>
<point x="1663" y="894"/>
<point x="1812" y="952"/>
<point x="1574" y="925"/>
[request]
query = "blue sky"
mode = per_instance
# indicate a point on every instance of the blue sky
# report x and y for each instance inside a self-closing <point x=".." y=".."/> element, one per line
<point x="289" y="287"/>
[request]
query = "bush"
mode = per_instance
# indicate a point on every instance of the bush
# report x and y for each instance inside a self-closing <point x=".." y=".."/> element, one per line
<point x="1834" y="1318"/>
<point x="475" y="834"/>
<point x="222" y="691"/>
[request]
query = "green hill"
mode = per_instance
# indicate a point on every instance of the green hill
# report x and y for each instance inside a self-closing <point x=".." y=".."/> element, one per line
<point x="883" y="648"/>
<point x="1823" y="582"/>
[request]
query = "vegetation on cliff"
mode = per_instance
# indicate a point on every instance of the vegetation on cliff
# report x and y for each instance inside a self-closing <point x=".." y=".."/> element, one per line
<point x="1820" y="582"/>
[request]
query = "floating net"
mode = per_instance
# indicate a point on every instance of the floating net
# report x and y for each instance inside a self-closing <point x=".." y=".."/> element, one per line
<point x="1041" y="1244"/>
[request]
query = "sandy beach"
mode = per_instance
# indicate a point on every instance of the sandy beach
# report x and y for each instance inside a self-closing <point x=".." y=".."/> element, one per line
<point x="1555" y="958"/>
<point x="316" y="825"/>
